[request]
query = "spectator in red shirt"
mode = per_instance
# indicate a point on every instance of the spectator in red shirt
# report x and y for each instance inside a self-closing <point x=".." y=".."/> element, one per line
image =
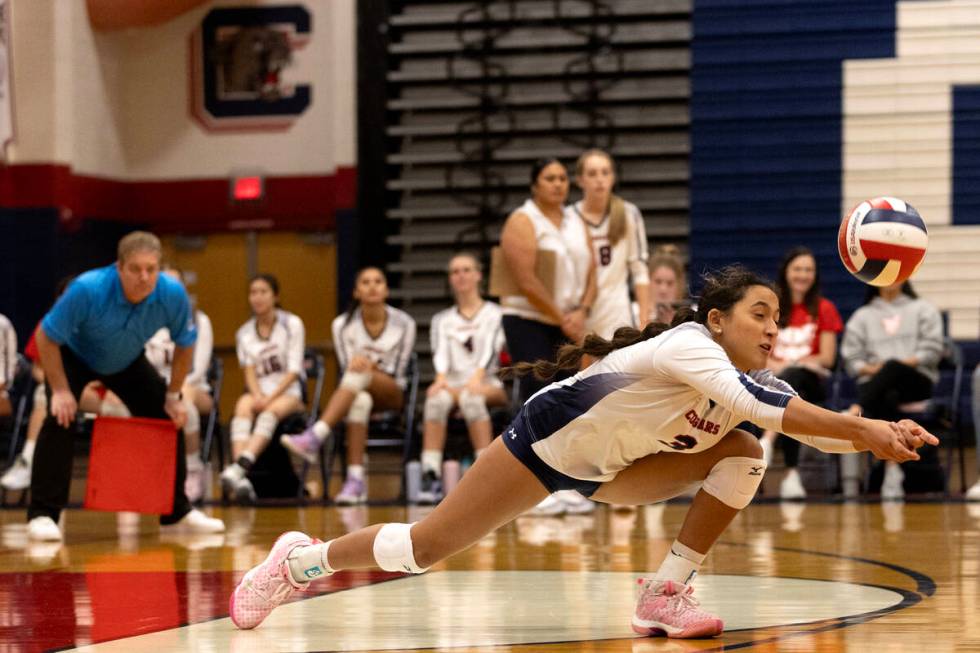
<point x="805" y="350"/>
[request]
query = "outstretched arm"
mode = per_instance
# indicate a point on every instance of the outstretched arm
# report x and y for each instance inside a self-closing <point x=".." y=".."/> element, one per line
<point x="841" y="433"/>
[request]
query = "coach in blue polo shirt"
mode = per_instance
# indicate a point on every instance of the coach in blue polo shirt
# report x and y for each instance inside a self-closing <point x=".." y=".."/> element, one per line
<point x="97" y="331"/>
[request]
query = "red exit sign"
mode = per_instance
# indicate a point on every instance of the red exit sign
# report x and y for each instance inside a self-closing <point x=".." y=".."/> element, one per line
<point x="247" y="188"/>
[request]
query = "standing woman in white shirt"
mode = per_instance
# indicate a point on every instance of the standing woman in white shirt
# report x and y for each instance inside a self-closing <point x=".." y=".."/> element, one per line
<point x="466" y="343"/>
<point x="270" y="352"/>
<point x="195" y="394"/>
<point x="619" y="242"/>
<point x="537" y="322"/>
<point x="656" y="413"/>
<point x="373" y="342"/>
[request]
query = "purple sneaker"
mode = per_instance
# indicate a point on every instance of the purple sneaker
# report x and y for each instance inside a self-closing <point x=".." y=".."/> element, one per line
<point x="266" y="586"/>
<point x="353" y="492"/>
<point x="667" y="608"/>
<point x="305" y="445"/>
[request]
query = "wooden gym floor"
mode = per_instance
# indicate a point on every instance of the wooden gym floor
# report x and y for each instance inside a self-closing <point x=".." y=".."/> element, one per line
<point x="785" y="577"/>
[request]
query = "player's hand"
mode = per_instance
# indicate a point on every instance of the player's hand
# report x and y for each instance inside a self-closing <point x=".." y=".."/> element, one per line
<point x="360" y="364"/>
<point x="573" y="325"/>
<point x="176" y="411"/>
<point x="913" y="435"/>
<point x="259" y="402"/>
<point x="886" y="442"/>
<point x="63" y="407"/>
<point x="435" y="388"/>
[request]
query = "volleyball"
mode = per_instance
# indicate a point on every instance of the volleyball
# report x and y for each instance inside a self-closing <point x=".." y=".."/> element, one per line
<point x="882" y="241"/>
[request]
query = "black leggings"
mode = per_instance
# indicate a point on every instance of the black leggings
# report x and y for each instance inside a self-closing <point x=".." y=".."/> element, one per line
<point x="810" y="387"/>
<point x="529" y="341"/>
<point x="142" y="390"/>
<point x="894" y="384"/>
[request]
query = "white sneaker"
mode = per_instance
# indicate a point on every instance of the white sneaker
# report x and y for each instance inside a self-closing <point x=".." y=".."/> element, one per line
<point x="43" y="529"/>
<point x="195" y="522"/>
<point x="891" y="484"/>
<point x="550" y="505"/>
<point x="973" y="494"/>
<point x="575" y="503"/>
<point x="18" y="477"/>
<point x="791" y="487"/>
<point x="230" y="476"/>
<point x="766" y="445"/>
<point x="244" y="492"/>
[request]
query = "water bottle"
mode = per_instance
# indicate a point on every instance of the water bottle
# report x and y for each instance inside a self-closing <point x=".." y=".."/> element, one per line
<point x="450" y="475"/>
<point x="413" y="480"/>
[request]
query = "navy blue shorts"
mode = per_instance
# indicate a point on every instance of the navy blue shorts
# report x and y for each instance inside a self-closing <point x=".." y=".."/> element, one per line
<point x="518" y="438"/>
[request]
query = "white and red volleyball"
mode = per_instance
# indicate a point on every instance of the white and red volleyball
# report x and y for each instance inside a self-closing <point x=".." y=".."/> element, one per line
<point x="882" y="241"/>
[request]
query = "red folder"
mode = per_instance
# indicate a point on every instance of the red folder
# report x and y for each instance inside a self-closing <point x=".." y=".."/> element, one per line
<point x="132" y="465"/>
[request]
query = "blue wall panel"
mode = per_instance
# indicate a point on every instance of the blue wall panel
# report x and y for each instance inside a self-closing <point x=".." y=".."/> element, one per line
<point x="966" y="155"/>
<point x="766" y="129"/>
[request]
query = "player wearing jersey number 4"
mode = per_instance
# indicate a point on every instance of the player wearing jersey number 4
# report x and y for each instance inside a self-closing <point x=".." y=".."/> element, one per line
<point x="655" y="413"/>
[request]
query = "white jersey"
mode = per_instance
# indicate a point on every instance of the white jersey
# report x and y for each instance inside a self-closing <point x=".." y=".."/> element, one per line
<point x="8" y="352"/>
<point x="615" y="266"/>
<point x="275" y="356"/>
<point x="390" y="351"/>
<point x="570" y="243"/>
<point x="678" y="392"/>
<point x="462" y="345"/>
<point x="159" y="351"/>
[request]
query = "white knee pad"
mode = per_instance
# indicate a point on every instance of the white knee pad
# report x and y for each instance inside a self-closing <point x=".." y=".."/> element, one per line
<point x="193" y="422"/>
<point x="393" y="549"/>
<point x="473" y="407"/>
<point x="265" y="424"/>
<point x="437" y="407"/>
<point x="360" y="410"/>
<point x="41" y="397"/>
<point x="734" y="481"/>
<point x="241" y="429"/>
<point x="355" y="381"/>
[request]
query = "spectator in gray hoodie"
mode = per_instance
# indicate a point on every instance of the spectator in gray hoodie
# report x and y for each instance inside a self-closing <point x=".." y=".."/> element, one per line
<point x="892" y="345"/>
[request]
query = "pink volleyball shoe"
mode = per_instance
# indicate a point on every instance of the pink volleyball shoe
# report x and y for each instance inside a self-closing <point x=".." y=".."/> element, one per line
<point x="264" y="587"/>
<point x="667" y="608"/>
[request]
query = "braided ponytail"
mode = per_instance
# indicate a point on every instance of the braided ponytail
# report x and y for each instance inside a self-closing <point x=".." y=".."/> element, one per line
<point x="722" y="290"/>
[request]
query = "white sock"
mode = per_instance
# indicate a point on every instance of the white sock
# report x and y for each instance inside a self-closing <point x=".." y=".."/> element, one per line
<point x="321" y="430"/>
<point x="234" y="471"/>
<point x="432" y="462"/>
<point x="308" y="563"/>
<point x="28" y="451"/>
<point x="355" y="471"/>
<point x="194" y="462"/>
<point x="681" y="564"/>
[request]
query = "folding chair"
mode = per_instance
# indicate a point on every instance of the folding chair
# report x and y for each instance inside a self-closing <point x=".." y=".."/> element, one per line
<point x="21" y="393"/>
<point x="216" y="379"/>
<point x="314" y="367"/>
<point x="940" y="413"/>
<point x="392" y="428"/>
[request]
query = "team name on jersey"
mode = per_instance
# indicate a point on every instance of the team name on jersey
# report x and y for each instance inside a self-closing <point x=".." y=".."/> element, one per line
<point x="701" y="423"/>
